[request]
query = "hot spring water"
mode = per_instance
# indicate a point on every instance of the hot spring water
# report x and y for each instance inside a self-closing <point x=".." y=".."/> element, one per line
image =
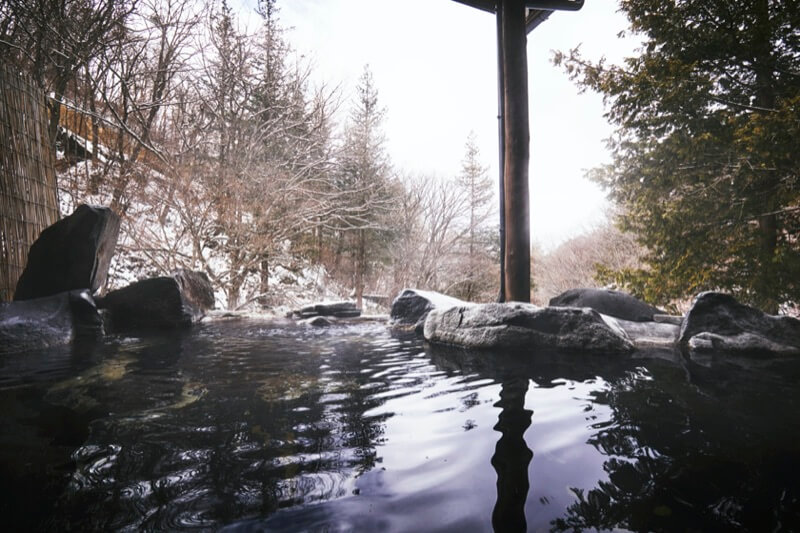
<point x="248" y="426"/>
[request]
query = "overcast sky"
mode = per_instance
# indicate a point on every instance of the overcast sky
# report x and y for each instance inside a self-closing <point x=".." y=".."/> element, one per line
<point x="435" y="65"/>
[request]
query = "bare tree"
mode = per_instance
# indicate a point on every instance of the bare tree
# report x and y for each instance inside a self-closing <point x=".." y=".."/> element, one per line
<point x="256" y="139"/>
<point x="214" y="146"/>
<point x="580" y="261"/>
<point x="212" y="142"/>
<point x="138" y="86"/>
<point x="426" y="252"/>
<point x="53" y="40"/>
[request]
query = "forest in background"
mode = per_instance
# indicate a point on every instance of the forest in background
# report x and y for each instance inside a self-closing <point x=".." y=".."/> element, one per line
<point x="705" y="169"/>
<point x="212" y="141"/>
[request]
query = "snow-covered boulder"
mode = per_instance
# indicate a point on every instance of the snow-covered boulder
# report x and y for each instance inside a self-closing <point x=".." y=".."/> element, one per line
<point x="717" y="323"/>
<point x="525" y="326"/>
<point x="49" y="321"/>
<point x="155" y="303"/>
<point x="74" y="253"/>
<point x="412" y="306"/>
<point x="608" y="302"/>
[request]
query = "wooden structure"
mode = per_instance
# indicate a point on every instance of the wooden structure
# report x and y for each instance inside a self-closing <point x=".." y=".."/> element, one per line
<point x="28" y="195"/>
<point x="515" y="19"/>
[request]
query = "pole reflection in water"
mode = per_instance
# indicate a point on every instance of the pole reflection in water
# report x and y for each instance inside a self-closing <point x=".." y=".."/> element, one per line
<point x="512" y="457"/>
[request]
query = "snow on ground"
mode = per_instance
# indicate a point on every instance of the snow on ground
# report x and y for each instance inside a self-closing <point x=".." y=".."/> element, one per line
<point x="158" y="235"/>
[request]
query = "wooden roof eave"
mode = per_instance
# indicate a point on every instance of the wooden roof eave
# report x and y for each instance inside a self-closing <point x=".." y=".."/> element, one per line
<point x="538" y="10"/>
<point x="544" y="5"/>
<point x="490" y="6"/>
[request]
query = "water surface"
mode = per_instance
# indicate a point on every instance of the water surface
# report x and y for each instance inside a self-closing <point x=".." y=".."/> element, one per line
<point x="251" y="426"/>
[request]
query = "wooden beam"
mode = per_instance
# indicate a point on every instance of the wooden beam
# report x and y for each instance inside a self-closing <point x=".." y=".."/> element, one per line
<point x="555" y="5"/>
<point x="484" y="5"/>
<point x="547" y="5"/>
<point x="514" y="61"/>
<point x="534" y="18"/>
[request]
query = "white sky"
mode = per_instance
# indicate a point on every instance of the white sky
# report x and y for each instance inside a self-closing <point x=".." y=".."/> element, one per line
<point x="435" y="66"/>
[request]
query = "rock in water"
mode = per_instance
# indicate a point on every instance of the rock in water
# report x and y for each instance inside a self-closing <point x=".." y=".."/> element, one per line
<point x="317" y="322"/>
<point x="717" y="323"/>
<point x="49" y="321"/>
<point x="196" y="289"/>
<point x="412" y="306"/>
<point x="155" y="303"/>
<point x="74" y="253"/>
<point x="525" y="326"/>
<point x="335" y="309"/>
<point x="611" y="303"/>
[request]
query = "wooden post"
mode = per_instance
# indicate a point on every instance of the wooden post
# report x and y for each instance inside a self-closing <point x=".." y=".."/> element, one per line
<point x="501" y="133"/>
<point x="513" y="37"/>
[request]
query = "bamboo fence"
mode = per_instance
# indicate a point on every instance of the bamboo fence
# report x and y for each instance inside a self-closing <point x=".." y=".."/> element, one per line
<point x="28" y="194"/>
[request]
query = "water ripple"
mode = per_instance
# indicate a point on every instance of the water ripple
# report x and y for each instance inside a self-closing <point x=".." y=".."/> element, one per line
<point x="350" y="428"/>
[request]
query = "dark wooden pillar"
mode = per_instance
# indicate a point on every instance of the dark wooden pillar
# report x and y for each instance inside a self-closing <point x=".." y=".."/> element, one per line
<point x="514" y="72"/>
<point x="501" y="134"/>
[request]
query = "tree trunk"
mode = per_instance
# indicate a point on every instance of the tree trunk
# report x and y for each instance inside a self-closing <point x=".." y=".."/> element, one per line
<point x="319" y="239"/>
<point x="55" y="109"/>
<point x="232" y="293"/>
<point x="264" y="268"/>
<point x="361" y="256"/>
<point x="94" y="179"/>
<point x="470" y="289"/>
<point x="517" y="151"/>
<point x="767" y="223"/>
<point x="237" y="276"/>
<point x="768" y="230"/>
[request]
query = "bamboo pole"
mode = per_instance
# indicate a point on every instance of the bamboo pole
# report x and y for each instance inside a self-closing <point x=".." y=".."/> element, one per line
<point x="28" y="195"/>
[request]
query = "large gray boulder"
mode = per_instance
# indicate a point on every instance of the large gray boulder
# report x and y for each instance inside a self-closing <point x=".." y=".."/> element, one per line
<point x="608" y="302"/>
<point x="196" y="289"/>
<point x="411" y="307"/>
<point x="74" y="253"/>
<point x="155" y="303"/>
<point x="524" y="326"/>
<point x="717" y="323"/>
<point x="49" y="321"/>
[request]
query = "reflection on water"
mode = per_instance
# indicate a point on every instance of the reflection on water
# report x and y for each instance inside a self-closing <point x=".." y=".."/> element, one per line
<point x="511" y="457"/>
<point x="249" y="427"/>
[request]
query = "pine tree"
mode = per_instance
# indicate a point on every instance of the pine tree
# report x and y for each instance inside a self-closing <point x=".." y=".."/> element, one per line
<point x="364" y="175"/>
<point x="705" y="165"/>
<point x="477" y="188"/>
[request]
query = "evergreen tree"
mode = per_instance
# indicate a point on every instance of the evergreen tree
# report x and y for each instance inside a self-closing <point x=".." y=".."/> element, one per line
<point x="365" y="177"/>
<point x="294" y="134"/>
<point x="477" y="188"/>
<point x="705" y="160"/>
